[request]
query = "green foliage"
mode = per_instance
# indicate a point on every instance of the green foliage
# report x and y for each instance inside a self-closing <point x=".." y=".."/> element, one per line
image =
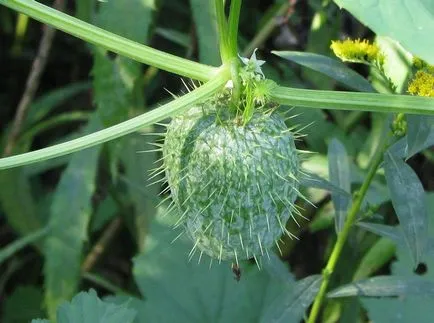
<point x="370" y="173"/>
<point x="86" y="307"/>
<point x="69" y="224"/>
<point x="24" y="304"/>
<point x="396" y="20"/>
<point x="339" y="172"/>
<point x="408" y="199"/>
<point x="330" y="67"/>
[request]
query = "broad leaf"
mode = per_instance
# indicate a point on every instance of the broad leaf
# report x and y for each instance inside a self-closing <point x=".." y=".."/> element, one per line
<point x="408" y="199"/>
<point x="86" y="307"/>
<point x="386" y="286"/>
<point x="411" y="22"/>
<point x="178" y="290"/>
<point x="330" y="67"/>
<point x="339" y="173"/>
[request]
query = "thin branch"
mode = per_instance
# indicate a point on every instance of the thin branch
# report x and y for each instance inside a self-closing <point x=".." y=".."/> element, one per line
<point x="32" y="83"/>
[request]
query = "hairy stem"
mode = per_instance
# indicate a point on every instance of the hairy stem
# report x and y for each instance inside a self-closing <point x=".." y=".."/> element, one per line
<point x="168" y="110"/>
<point x="112" y="42"/>
<point x="343" y="235"/>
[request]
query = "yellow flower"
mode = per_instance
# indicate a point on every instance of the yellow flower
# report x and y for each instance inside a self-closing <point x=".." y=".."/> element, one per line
<point x="358" y="51"/>
<point x="422" y="83"/>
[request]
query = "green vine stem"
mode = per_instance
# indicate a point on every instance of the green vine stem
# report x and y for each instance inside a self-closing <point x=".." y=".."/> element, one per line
<point x="112" y="42"/>
<point x="222" y="23"/>
<point x="234" y="19"/>
<point x="343" y="235"/>
<point x="172" y="108"/>
<point x="352" y="101"/>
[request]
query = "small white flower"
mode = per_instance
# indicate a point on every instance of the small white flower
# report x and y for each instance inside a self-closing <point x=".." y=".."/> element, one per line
<point x="253" y="63"/>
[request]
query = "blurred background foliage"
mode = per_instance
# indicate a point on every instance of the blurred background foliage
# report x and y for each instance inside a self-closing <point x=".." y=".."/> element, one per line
<point x="101" y="202"/>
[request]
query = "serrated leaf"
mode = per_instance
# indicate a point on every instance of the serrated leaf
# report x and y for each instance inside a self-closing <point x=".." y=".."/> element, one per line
<point x="339" y="173"/>
<point x="330" y="67"/>
<point x="204" y="15"/>
<point x="69" y="218"/>
<point x="386" y="286"/>
<point x="24" y="304"/>
<point x="178" y="290"/>
<point x="289" y="307"/>
<point x="408" y="199"/>
<point x="420" y="134"/>
<point x="386" y="231"/>
<point x="410" y="22"/>
<point x="86" y="307"/>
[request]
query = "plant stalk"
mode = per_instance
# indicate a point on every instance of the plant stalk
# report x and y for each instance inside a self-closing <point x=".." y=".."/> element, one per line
<point x="222" y="23"/>
<point x="168" y="110"/>
<point x="234" y="19"/>
<point x="343" y="235"/>
<point x="112" y="42"/>
<point x="352" y="101"/>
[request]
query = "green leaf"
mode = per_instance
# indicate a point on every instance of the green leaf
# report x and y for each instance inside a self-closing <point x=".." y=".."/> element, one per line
<point x="410" y="22"/>
<point x="205" y="19"/>
<point x="199" y="293"/>
<point x="40" y="321"/>
<point x="411" y="308"/>
<point x="386" y="231"/>
<point x="375" y="258"/>
<point x="313" y="180"/>
<point x="115" y="78"/>
<point x="21" y="243"/>
<point x="69" y="219"/>
<point x="22" y="305"/>
<point x="386" y="286"/>
<point x="45" y="104"/>
<point x="174" y="36"/>
<point x="144" y="191"/>
<point x="339" y="173"/>
<point x="20" y="212"/>
<point x="330" y="67"/>
<point x="420" y="134"/>
<point x="408" y="199"/>
<point x="289" y="307"/>
<point x="86" y="307"/>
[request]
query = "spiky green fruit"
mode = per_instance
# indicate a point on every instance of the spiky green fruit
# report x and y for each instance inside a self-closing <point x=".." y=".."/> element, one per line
<point x="233" y="185"/>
